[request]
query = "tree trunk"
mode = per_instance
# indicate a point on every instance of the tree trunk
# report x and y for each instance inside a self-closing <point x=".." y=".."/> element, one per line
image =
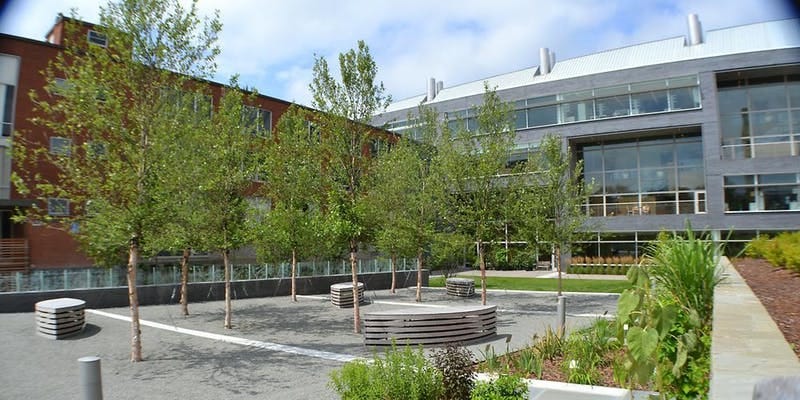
<point x="558" y="267"/>
<point x="294" y="274"/>
<point x="356" y="311"/>
<point x="482" y="263"/>
<point x="394" y="271"/>
<point x="226" y="264"/>
<point x="419" y="275"/>
<point x="185" y="281"/>
<point x="133" y="301"/>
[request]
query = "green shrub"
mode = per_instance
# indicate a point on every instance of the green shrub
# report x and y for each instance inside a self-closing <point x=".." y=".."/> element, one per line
<point x="549" y="346"/>
<point x="781" y="251"/>
<point x="402" y="374"/>
<point x="529" y="362"/>
<point x="458" y="376"/>
<point x="505" y="387"/>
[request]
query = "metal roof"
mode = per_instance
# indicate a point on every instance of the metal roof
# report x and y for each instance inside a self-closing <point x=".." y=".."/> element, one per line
<point x="772" y="35"/>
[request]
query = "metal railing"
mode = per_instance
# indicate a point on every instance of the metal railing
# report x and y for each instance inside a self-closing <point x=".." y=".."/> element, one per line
<point x="98" y="277"/>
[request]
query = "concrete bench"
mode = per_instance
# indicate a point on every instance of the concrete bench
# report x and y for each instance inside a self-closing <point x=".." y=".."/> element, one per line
<point x="342" y="294"/>
<point x="430" y="327"/>
<point x="460" y="287"/>
<point x="59" y="318"/>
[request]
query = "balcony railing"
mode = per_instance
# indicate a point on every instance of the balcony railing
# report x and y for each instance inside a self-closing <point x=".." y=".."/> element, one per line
<point x="13" y="255"/>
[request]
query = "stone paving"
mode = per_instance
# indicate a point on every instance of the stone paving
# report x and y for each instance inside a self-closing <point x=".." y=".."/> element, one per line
<point x="276" y="350"/>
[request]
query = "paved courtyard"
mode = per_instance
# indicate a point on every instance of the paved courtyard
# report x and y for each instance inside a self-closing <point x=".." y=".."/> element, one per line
<point x="276" y="350"/>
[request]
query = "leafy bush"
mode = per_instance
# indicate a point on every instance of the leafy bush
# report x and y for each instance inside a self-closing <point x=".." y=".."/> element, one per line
<point x="505" y="387"/>
<point x="549" y="346"/>
<point x="585" y="350"/>
<point x="781" y="251"/>
<point x="456" y="366"/>
<point x="529" y="362"/>
<point x="686" y="268"/>
<point x="402" y="374"/>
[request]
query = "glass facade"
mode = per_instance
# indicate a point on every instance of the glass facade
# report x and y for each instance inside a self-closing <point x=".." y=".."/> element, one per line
<point x="645" y="176"/>
<point x="663" y="95"/>
<point x="760" y="113"/>
<point x="6" y="109"/>
<point x="762" y="192"/>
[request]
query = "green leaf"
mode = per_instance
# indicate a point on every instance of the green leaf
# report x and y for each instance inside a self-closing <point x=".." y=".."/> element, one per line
<point x="628" y="301"/>
<point x="642" y="343"/>
<point x="664" y="317"/>
<point x="680" y="360"/>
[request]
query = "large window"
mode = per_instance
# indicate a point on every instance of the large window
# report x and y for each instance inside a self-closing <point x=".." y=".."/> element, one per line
<point x="57" y="207"/>
<point x="60" y="146"/>
<point x="760" y="113"/>
<point x="762" y="192"/>
<point x="259" y="119"/>
<point x="645" y="176"/>
<point x="6" y="109"/>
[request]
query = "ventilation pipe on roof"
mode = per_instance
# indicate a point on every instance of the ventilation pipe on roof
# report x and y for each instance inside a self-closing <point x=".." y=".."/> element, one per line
<point x="695" y="30"/>
<point x="431" y="89"/>
<point x="544" y="61"/>
<point x="552" y="60"/>
<point x="439" y="87"/>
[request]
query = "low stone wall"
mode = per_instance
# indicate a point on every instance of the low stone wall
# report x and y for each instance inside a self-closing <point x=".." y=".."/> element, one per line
<point x="211" y="291"/>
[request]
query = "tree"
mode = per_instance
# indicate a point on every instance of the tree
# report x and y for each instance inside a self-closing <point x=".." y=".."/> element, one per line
<point x="471" y="164"/>
<point x="346" y="108"/>
<point x="403" y="202"/>
<point x="230" y="164"/>
<point x="111" y="116"/>
<point x="295" y="186"/>
<point x="551" y="212"/>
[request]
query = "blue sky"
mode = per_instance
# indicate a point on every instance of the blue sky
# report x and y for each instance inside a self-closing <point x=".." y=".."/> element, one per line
<point x="271" y="43"/>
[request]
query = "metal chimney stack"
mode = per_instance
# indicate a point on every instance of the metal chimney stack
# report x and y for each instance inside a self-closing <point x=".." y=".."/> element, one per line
<point x="544" y="61"/>
<point x="695" y="30"/>
<point x="431" y="89"/>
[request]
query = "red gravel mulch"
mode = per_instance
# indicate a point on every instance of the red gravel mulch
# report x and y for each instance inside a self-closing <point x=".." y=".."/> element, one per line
<point x="779" y="291"/>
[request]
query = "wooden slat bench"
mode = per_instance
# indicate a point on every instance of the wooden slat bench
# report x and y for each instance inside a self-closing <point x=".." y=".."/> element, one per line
<point x="59" y="318"/>
<point x="430" y="327"/>
<point x="342" y="294"/>
<point x="460" y="287"/>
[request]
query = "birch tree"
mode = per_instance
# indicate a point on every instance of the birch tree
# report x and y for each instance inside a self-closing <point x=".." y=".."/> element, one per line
<point x="106" y="107"/>
<point x="347" y="105"/>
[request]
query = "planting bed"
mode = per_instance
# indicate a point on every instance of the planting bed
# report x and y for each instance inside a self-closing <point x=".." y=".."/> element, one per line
<point x="777" y="290"/>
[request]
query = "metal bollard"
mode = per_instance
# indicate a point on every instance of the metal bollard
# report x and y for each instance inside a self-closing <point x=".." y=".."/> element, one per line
<point x="91" y="382"/>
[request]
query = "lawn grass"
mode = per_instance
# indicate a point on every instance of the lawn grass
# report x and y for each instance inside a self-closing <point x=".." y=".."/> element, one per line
<point x="544" y="284"/>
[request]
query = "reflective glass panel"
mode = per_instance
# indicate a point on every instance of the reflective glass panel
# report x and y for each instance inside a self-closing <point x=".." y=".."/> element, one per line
<point x="734" y="127"/>
<point x="539" y="116"/>
<point x="770" y="123"/>
<point x="619" y="158"/>
<point x="691" y="178"/>
<point x="740" y="199"/>
<point x="732" y="101"/>
<point x="622" y="182"/>
<point x="577" y="111"/>
<point x="592" y="159"/>
<point x="660" y="155"/>
<point x="684" y="98"/>
<point x="689" y="153"/>
<point x="767" y="97"/>
<point x="614" y="106"/>
<point x="649" y="102"/>
<point x="657" y="180"/>
<point x="778" y="197"/>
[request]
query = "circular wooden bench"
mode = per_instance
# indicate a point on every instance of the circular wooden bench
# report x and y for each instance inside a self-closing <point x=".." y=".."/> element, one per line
<point x="342" y="294"/>
<point x="430" y="327"/>
<point x="460" y="287"/>
<point x="59" y="318"/>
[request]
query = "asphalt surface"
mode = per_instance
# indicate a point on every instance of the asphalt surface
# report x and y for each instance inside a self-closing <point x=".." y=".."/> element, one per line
<point x="276" y="350"/>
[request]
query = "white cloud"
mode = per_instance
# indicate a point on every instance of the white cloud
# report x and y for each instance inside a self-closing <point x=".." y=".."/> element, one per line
<point x="272" y="44"/>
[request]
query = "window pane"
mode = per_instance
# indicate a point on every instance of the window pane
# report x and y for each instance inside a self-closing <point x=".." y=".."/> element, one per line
<point x="539" y="116"/>
<point x="521" y="120"/>
<point x="657" y="180"/>
<point x="596" y="182"/>
<point x="691" y="179"/>
<point x="622" y="182"/>
<point x="778" y="197"/>
<point x="613" y="106"/>
<point x="683" y="81"/>
<point x="649" y="102"/>
<point x="689" y="153"/>
<point x="537" y="101"/>
<point x="664" y="204"/>
<point x="734" y="127"/>
<point x="592" y="160"/>
<point x="684" y="98"/>
<point x="619" y="158"/>
<point x="657" y="156"/>
<point x="734" y="180"/>
<point x="768" y="179"/>
<point x="794" y="94"/>
<point x="770" y="123"/>
<point x="648" y="86"/>
<point x="577" y="111"/>
<point x="611" y="91"/>
<point x="740" y="199"/>
<point x="732" y="101"/>
<point x="768" y="97"/>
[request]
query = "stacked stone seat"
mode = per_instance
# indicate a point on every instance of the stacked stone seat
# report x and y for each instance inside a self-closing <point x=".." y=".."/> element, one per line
<point x="460" y="287"/>
<point x="342" y="294"/>
<point x="430" y="327"/>
<point x="60" y="318"/>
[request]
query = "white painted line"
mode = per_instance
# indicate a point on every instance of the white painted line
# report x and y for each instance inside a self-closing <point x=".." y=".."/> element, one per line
<point x="535" y="291"/>
<point x="235" y="340"/>
<point x="526" y="312"/>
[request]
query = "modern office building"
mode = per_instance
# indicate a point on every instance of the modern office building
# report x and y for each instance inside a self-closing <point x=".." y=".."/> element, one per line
<point x="36" y="244"/>
<point x="704" y="128"/>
